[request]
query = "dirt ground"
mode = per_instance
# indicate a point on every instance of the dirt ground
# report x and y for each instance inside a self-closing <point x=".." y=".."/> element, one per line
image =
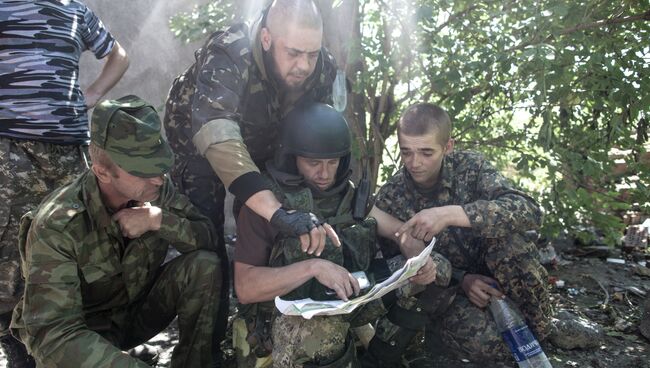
<point x="602" y="292"/>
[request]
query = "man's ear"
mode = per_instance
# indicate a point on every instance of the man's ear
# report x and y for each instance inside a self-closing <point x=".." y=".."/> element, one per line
<point x="265" y="35"/>
<point x="101" y="172"/>
<point x="449" y="147"/>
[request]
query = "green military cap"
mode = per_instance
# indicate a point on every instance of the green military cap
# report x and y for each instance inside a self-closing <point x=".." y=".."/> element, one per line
<point x="128" y="129"/>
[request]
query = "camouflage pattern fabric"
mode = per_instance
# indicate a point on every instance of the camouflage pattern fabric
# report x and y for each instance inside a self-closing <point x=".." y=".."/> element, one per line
<point x="129" y="130"/>
<point x="227" y="82"/>
<point x="29" y="170"/>
<point x="357" y="237"/>
<point x="90" y="292"/>
<point x="42" y="43"/>
<point x="471" y="331"/>
<point x="318" y="341"/>
<point x="498" y="213"/>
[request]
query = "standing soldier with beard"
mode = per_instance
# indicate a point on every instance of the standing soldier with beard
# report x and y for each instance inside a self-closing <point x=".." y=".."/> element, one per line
<point x="222" y="115"/>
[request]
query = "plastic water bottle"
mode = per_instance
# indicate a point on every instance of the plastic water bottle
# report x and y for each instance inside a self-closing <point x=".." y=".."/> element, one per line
<point x="522" y="343"/>
<point x="339" y="91"/>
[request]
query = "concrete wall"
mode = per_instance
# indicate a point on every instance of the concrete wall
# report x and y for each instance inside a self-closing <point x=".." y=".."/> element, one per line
<point x="141" y="26"/>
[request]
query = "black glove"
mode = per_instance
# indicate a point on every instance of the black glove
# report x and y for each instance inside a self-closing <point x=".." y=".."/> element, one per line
<point x="294" y="223"/>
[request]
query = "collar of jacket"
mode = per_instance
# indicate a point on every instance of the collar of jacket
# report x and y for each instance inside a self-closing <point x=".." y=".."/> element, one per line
<point x="93" y="200"/>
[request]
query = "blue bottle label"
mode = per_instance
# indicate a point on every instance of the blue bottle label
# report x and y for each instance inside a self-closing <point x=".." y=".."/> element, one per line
<point x="521" y="342"/>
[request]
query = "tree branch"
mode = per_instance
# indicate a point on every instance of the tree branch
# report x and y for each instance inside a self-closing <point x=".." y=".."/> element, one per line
<point x="585" y="26"/>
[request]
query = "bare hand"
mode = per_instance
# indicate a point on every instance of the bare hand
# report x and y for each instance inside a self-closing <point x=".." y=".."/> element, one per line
<point x="478" y="289"/>
<point x="135" y="221"/>
<point x="410" y="246"/>
<point x="426" y="274"/>
<point x="336" y="278"/>
<point x="425" y="224"/>
<point x="91" y="98"/>
<point x="314" y="241"/>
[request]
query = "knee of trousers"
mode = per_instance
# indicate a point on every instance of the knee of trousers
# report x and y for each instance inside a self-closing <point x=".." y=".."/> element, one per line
<point x="202" y="268"/>
<point x="512" y="259"/>
<point x="470" y="332"/>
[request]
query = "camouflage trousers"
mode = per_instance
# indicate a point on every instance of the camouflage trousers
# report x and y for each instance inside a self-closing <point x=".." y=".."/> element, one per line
<point x="197" y="180"/>
<point x="470" y="331"/>
<point x="320" y="341"/>
<point x="187" y="287"/>
<point x="29" y="170"/>
<point x="315" y="347"/>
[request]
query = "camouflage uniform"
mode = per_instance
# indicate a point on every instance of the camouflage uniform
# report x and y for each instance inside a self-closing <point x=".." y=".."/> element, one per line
<point x="493" y="246"/>
<point x="320" y="341"/>
<point x="229" y="83"/>
<point x="228" y="98"/>
<point x="90" y="292"/>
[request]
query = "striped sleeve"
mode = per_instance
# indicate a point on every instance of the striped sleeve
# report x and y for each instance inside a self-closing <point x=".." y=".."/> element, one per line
<point x="96" y="37"/>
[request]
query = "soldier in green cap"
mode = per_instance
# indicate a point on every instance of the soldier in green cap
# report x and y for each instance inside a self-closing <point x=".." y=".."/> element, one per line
<point x="93" y="254"/>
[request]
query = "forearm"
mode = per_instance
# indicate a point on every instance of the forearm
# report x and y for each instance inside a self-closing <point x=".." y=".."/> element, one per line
<point x="182" y="224"/>
<point x="387" y="227"/>
<point x="264" y="204"/>
<point x="187" y="233"/>
<point x="503" y="216"/>
<point x="255" y="284"/>
<point x="454" y="215"/>
<point x="117" y="62"/>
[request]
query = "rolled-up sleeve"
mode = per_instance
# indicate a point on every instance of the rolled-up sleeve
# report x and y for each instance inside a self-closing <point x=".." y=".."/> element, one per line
<point x="501" y="209"/>
<point x="182" y="223"/>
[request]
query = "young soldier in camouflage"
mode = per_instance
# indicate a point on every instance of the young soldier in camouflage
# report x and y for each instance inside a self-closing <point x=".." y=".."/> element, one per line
<point x="43" y="120"/>
<point x="478" y="219"/>
<point x="310" y="173"/>
<point x="93" y="255"/>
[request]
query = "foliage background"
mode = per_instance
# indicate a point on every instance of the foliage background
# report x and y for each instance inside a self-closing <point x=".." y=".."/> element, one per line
<point x="555" y="92"/>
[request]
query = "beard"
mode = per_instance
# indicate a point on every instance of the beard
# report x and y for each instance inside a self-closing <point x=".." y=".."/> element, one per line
<point x="282" y="82"/>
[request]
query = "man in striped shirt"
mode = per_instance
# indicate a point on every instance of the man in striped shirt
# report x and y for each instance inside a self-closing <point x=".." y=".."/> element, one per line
<point x="43" y="119"/>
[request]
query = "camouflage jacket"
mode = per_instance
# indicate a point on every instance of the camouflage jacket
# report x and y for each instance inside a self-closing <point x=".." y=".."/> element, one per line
<point x="82" y="275"/>
<point x="357" y="236"/>
<point x="494" y="207"/>
<point x="227" y="95"/>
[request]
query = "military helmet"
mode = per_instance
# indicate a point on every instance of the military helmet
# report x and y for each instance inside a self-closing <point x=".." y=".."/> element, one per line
<point x="313" y="130"/>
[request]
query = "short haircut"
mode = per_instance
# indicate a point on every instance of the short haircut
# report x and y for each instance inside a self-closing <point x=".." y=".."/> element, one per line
<point x="423" y="118"/>
<point x="303" y="13"/>
<point x="99" y="156"/>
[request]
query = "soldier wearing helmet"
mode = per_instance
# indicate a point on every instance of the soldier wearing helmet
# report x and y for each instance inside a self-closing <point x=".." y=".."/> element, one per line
<point x="310" y="172"/>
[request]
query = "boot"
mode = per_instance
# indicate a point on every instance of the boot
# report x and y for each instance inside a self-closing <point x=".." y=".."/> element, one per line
<point x="17" y="356"/>
<point x="382" y="354"/>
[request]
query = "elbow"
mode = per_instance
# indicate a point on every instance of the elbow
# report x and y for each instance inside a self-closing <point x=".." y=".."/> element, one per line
<point x="242" y="289"/>
<point x="243" y="294"/>
<point x="119" y="56"/>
